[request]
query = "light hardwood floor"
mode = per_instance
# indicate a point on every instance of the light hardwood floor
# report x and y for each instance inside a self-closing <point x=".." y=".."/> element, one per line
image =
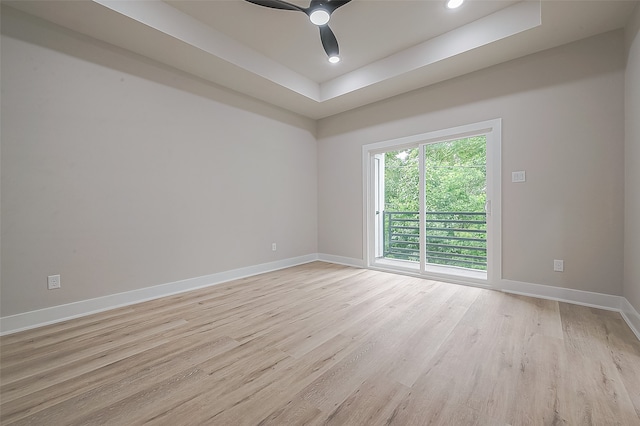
<point x="327" y="344"/>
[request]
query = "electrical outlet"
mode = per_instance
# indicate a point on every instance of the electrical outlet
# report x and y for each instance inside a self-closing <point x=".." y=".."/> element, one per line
<point x="273" y="247"/>
<point x="53" y="282"/>
<point x="558" y="265"/>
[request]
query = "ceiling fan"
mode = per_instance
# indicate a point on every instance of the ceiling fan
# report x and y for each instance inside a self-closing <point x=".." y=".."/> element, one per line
<point x="319" y="12"/>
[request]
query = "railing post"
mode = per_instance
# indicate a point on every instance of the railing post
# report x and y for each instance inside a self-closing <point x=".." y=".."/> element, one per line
<point x="387" y="239"/>
<point x="384" y="234"/>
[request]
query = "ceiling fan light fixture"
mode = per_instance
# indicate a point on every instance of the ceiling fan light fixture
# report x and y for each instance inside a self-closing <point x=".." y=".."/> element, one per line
<point x="319" y="17"/>
<point x="454" y="4"/>
<point x="319" y="13"/>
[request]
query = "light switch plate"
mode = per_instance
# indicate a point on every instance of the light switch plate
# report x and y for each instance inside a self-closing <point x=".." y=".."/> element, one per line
<point x="518" y="176"/>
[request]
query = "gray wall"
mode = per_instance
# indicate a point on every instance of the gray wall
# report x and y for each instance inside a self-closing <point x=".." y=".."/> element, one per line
<point x="119" y="174"/>
<point x="563" y="122"/>
<point x="632" y="165"/>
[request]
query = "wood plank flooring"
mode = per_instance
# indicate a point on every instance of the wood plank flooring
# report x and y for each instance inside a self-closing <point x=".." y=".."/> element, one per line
<point x="327" y="344"/>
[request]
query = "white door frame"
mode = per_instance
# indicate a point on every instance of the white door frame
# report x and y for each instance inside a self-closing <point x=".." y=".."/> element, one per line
<point x="492" y="129"/>
<point x="379" y="199"/>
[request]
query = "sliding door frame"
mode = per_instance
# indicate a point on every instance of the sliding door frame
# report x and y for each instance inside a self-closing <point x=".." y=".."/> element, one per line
<point x="492" y="129"/>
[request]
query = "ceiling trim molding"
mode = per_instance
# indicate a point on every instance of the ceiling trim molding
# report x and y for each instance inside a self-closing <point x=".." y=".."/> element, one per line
<point x="162" y="32"/>
<point x="174" y="23"/>
<point x="166" y="19"/>
<point x="504" y="23"/>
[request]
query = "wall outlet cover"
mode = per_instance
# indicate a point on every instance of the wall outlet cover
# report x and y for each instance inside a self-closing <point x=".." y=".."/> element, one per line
<point x="53" y="282"/>
<point x="558" y="265"/>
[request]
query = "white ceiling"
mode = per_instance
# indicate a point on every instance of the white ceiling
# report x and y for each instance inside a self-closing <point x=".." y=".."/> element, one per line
<point x="387" y="47"/>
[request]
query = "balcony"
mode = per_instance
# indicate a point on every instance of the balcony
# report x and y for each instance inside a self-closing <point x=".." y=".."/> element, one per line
<point x="453" y="239"/>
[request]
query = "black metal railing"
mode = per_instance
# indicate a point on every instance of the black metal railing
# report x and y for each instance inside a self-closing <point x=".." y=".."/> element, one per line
<point x="452" y="238"/>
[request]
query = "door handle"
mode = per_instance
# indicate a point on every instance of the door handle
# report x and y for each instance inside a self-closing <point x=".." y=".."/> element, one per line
<point x="487" y="207"/>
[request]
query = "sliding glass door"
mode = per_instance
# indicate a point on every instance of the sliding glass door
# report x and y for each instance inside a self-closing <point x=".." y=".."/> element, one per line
<point x="431" y="206"/>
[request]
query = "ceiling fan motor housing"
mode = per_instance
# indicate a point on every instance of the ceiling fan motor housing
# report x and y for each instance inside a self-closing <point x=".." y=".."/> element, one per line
<point x="319" y="12"/>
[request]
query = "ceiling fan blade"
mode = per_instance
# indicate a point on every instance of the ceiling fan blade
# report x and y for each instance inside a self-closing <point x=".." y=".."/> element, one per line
<point x="329" y="5"/>
<point x="276" y="4"/>
<point x="329" y="41"/>
<point x="334" y="4"/>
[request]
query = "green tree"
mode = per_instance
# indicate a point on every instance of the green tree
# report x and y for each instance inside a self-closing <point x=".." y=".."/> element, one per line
<point x="401" y="180"/>
<point x="455" y="177"/>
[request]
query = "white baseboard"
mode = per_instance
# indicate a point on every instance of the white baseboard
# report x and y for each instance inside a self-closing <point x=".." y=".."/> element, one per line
<point x="54" y="314"/>
<point x="631" y="316"/>
<point x="577" y="297"/>
<point x="340" y="260"/>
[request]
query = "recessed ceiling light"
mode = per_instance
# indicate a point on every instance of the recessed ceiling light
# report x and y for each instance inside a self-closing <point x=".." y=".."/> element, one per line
<point x="319" y="17"/>
<point x="334" y="59"/>
<point x="454" y="4"/>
